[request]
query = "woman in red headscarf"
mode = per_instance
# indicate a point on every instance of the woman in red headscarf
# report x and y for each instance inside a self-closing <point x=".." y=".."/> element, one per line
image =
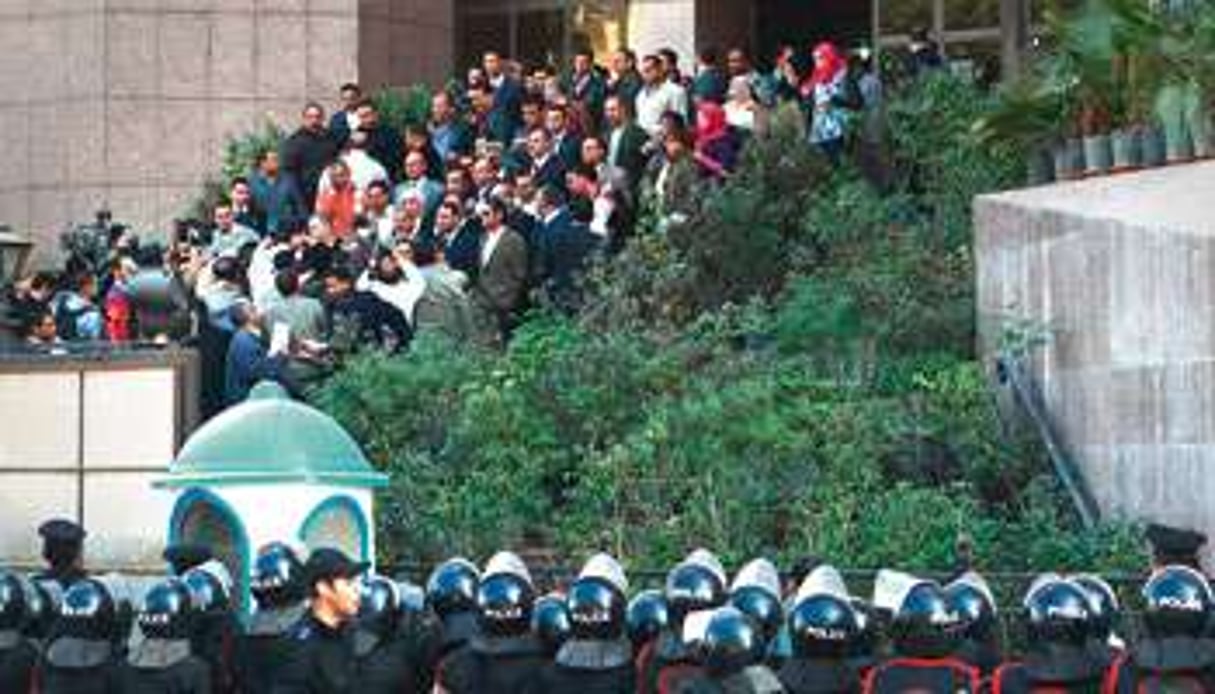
<point x="717" y="144"/>
<point x="825" y="94"/>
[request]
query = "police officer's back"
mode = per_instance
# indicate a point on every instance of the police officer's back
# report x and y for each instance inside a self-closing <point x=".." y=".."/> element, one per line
<point x="278" y="592"/>
<point x="1176" y="652"/>
<point x="731" y="651"/>
<point x="164" y="661"/>
<point x="1061" y="652"/>
<point x="756" y="592"/>
<point x="971" y="599"/>
<point x="82" y="658"/>
<point x="697" y="583"/>
<point x="214" y="630"/>
<point x="597" y="658"/>
<point x="924" y="634"/>
<point x="827" y="632"/>
<point x="18" y="654"/>
<point x="505" y="657"/>
<point x="389" y="661"/>
<point x="322" y="661"/>
<point x="451" y="596"/>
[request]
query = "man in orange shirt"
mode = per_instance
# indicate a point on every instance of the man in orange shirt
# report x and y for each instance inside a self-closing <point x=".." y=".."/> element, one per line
<point x="338" y="203"/>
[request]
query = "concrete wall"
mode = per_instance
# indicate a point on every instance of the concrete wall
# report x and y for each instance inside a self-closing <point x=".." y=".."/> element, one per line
<point x="127" y="103"/>
<point x="1121" y="271"/>
<point x="655" y="24"/>
<point x="84" y="439"/>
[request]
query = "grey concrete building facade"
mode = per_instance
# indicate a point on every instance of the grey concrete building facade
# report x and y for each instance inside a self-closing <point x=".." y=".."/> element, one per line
<point x="1118" y="275"/>
<point x="126" y="104"/>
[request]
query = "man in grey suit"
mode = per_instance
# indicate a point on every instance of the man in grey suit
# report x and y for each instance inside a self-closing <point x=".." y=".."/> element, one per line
<point x="501" y="286"/>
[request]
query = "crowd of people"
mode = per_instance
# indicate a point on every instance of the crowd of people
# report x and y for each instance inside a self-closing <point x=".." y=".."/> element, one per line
<point x="352" y="233"/>
<point x="325" y="625"/>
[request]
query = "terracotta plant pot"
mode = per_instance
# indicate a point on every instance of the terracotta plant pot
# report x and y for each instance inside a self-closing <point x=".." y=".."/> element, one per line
<point x="1098" y="158"/>
<point x="1126" y="144"/>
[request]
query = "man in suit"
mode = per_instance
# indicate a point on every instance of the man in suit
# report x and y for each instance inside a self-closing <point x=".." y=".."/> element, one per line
<point x="626" y="141"/>
<point x="566" y="145"/>
<point x="547" y="167"/>
<point x="586" y="88"/>
<point x="501" y="284"/>
<point x="565" y="248"/>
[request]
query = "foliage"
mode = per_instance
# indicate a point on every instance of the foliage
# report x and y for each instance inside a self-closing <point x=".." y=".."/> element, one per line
<point x="401" y="109"/>
<point x="790" y="374"/>
<point x="239" y="159"/>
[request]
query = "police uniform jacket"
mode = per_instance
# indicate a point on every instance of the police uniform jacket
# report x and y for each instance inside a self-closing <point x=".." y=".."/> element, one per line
<point x="322" y="661"/>
<point x="1078" y="669"/>
<point x="591" y="667"/>
<point x="80" y="666"/>
<point x="165" y="667"/>
<point x="819" y="676"/>
<point x="1167" y="664"/>
<point x="500" y="665"/>
<point x="264" y="649"/>
<point x="386" y="666"/>
<point x="18" y="658"/>
<point x="757" y="679"/>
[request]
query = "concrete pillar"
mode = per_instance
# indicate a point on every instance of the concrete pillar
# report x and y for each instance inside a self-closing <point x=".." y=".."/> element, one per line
<point x="655" y="24"/>
<point x="403" y="42"/>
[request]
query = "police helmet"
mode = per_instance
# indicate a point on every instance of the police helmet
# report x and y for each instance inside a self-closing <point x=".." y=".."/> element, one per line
<point x="277" y="571"/>
<point x="970" y="598"/>
<point x="44" y="597"/>
<point x="756" y="593"/>
<point x="551" y="621"/>
<point x="167" y="611"/>
<point x="380" y="606"/>
<point x="209" y="588"/>
<point x="697" y="583"/>
<point x="505" y="596"/>
<point x="452" y="587"/>
<point x="825" y="626"/>
<point x="731" y="642"/>
<point x="88" y="611"/>
<point x="1057" y="611"/>
<point x="1177" y="602"/>
<point x="647" y="616"/>
<point x="1103" y="602"/>
<point x="14" y="602"/>
<point x="921" y="621"/>
<point x="597" y="600"/>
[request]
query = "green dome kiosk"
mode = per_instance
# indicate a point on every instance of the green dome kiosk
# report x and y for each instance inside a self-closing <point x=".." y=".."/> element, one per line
<point x="271" y="469"/>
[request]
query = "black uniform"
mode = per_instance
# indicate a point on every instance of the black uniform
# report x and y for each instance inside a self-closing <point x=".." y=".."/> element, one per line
<point x="215" y="644"/>
<point x="18" y="659"/>
<point x="819" y="676"/>
<point x="664" y="662"/>
<point x="165" y="667"/>
<point x="499" y="665"/>
<point x="757" y="679"/>
<point x="264" y="649"/>
<point x="591" y="667"/>
<point x="1076" y="668"/>
<point x="387" y="666"/>
<point x="1177" y="663"/>
<point x="322" y="661"/>
<point x="923" y="674"/>
<point x="80" y="666"/>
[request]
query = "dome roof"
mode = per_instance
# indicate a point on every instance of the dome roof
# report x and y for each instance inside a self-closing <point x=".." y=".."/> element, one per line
<point x="271" y="438"/>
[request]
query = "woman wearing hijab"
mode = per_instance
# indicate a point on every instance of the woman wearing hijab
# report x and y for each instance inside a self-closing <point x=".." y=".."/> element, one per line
<point x="717" y="145"/>
<point x="825" y="93"/>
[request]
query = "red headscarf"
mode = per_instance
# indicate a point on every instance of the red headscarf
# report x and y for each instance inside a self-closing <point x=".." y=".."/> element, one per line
<point x="828" y="64"/>
<point x="711" y="121"/>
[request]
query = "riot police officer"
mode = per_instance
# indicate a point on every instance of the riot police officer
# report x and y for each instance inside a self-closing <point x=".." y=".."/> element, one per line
<point x="646" y="618"/>
<point x="505" y="656"/>
<point x="389" y="661"/>
<point x="924" y="633"/>
<point x="18" y="654"/>
<point x="322" y="656"/>
<point x="551" y="622"/>
<point x="1058" y="621"/>
<point x="83" y="656"/>
<point x="215" y="626"/>
<point x="451" y="594"/>
<point x="756" y="593"/>
<point x="730" y="647"/>
<point x="697" y="583"/>
<point x="1176" y="652"/>
<point x="63" y="550"/>
<point x="970" y="597"/>
<point x="598" y="657"/>
<point x="278" y="593"/>
<point x="164" y="661"/>
<point x="827" y="632"/>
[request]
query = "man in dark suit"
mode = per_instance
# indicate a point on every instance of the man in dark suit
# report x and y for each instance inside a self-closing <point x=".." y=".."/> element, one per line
<point x="384" y="143"/>
<point x="507" y="92"/>
<point x="566" y="145"/>
<point x="308" y="151"/>
<point x="490" y="122"/>
<point x="458" y="240"/>
<point x="565" y="248"/>
<point x="626" y="141"/>
<point x="547" y="167"/>
<point x="586" y="87"/>
<point x="501" y="284"/>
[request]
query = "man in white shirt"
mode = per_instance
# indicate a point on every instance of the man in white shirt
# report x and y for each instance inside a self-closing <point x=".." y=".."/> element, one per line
<point x="658" y="95"/>
<point x="396" y="280"/>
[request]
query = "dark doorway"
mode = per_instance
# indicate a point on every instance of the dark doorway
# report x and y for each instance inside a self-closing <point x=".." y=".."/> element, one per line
<point x="803" y="23"/>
